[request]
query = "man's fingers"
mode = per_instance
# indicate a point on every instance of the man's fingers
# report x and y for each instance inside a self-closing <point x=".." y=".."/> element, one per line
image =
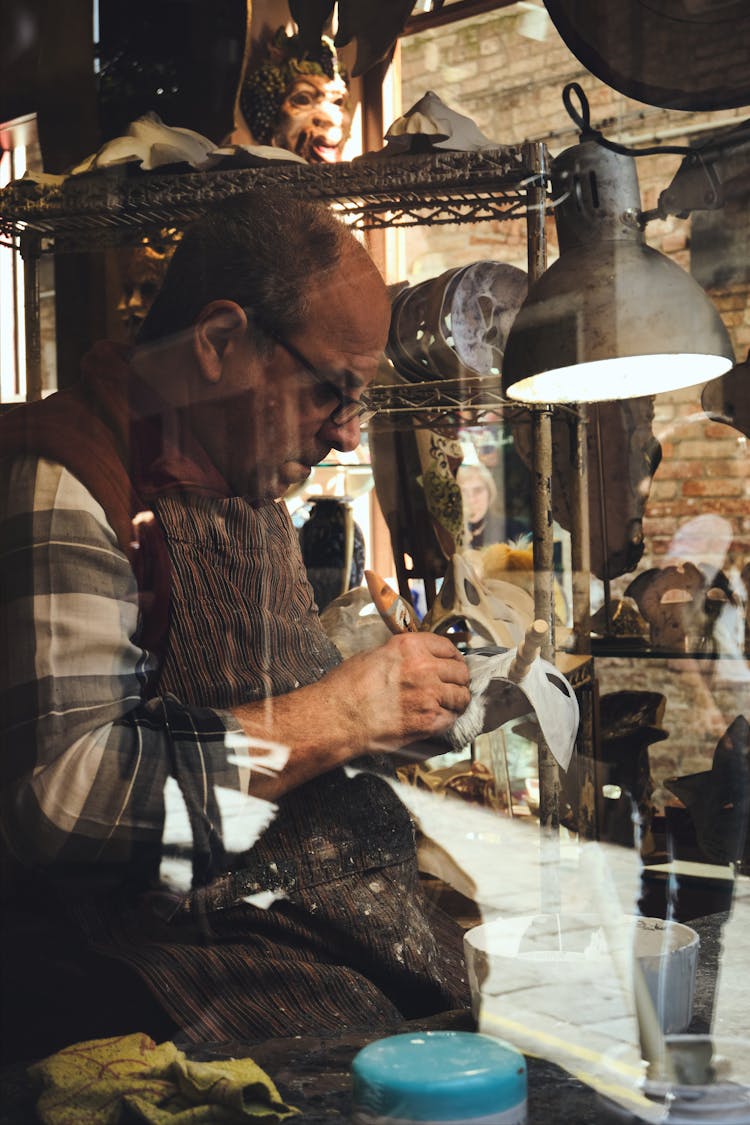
<point x="453" y="672"/>
<point x="442" y="647"/>
<point x="455" y="699"/>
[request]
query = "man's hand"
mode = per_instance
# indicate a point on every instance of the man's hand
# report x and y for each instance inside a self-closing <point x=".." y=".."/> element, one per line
<point x="411" y="688"/>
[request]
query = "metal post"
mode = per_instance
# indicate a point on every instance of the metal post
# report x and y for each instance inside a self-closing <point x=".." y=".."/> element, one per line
<point x="31" y="249"/>
<point x="535" y="158"/>
<point x="586" y="782"/>
<point x="544" y="598"/>
<point x="580" y="539"/>
<point x="544" y="595"/>
<point x="603" y="522"/>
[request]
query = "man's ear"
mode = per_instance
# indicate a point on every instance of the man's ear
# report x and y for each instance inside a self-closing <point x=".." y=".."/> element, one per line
<point x="220" y="326"/>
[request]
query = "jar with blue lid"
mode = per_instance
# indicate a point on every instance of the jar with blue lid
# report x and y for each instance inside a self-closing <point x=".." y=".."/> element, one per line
<point x="439" y="1078"/>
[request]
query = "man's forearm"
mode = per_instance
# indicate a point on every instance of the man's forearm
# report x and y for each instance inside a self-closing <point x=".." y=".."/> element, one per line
<point x="409" y="689"/>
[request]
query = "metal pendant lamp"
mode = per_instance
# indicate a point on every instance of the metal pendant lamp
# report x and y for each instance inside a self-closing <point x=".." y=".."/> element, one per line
<point x="611" y="318"/>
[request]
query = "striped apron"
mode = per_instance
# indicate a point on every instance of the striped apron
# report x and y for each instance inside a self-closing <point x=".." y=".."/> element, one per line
<point x="350" y="941"/>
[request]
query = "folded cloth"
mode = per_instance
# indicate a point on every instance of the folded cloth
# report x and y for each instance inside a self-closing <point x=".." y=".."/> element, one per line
<point x="130" y="1079"/>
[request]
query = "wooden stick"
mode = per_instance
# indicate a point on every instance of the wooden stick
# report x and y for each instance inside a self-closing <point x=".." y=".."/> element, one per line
<point x="527" y="651"/>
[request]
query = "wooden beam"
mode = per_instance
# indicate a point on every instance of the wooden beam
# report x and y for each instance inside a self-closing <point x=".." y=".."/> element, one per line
<point x="373" y="129"/>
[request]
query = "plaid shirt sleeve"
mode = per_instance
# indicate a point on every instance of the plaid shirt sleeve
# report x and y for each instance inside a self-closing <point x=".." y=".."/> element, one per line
<point x="88" y="766"/>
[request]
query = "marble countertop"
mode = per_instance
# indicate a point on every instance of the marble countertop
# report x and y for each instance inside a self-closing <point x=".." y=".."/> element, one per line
<point x="314" y="1073"/>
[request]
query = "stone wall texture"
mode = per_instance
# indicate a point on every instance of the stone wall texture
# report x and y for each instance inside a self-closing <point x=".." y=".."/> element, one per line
<point x="511" y="86"/>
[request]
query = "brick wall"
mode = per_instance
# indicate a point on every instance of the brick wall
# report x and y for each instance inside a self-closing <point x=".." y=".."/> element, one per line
<point x="511" y="87"/>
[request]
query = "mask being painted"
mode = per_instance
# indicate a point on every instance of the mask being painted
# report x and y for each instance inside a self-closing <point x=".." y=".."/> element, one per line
<point x="298" y="100"/>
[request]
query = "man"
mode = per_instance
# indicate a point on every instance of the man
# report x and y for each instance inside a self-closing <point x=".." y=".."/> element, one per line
<point x="162" y="650"/>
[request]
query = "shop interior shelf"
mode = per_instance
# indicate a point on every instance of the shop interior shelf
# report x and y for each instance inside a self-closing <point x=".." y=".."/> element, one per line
<point x="121" y="204"/>
<point x="455" y="401"/>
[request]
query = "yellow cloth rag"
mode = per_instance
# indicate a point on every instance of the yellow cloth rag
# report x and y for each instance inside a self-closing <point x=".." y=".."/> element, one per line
<point x="131" y="1079"/>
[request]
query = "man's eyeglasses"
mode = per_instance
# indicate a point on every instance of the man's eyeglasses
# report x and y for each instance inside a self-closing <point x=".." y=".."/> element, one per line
<point x="348" y="408"/>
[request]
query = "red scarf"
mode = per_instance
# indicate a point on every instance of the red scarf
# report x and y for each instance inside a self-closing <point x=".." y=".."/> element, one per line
<point x="108" y="432"/>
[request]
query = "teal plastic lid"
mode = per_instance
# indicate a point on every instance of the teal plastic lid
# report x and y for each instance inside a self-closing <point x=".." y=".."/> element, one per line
<point x="438" y="1076"/>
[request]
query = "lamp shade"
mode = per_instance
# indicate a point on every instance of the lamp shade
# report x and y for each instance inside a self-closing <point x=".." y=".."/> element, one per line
<point x="612" y="317"/>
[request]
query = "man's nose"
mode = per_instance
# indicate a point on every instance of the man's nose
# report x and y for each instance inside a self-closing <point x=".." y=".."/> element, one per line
<point x="344" y="438"/>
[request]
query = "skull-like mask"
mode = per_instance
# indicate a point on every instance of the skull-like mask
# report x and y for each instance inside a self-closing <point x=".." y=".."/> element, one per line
<point x="314" y="118"/>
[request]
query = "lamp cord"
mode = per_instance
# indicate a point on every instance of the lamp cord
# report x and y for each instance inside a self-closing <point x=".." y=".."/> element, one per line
<point x="582" y="118"/>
